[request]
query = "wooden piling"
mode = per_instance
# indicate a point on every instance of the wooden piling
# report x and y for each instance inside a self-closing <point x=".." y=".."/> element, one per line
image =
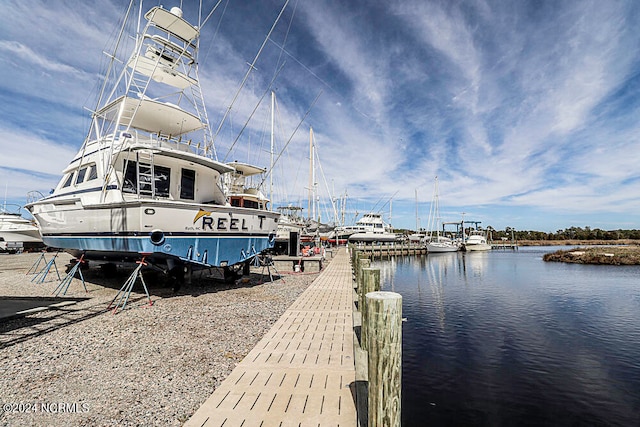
<point x="384" y="317"/>
<point x="364" y="263"/>
<point x="370" y="283"/>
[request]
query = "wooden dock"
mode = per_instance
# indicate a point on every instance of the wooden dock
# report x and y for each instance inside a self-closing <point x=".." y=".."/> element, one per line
<point x="302" y="373"/>
<point x="393" y="249"/>
<point x="504" y="245"/>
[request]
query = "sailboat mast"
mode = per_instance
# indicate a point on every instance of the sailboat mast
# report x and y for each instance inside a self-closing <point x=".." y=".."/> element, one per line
<point x="437" y="211"/>
<point x="273" y="102"/>
<point x="310" y="202"/>
<point x="417" y="224"/>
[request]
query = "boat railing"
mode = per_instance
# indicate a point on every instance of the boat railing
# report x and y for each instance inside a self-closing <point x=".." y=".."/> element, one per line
<point x="159" y="141"/>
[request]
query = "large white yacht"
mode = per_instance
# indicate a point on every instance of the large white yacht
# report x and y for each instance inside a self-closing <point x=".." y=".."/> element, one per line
<point x="370" y="228"/>
<point x="146" y="181"/>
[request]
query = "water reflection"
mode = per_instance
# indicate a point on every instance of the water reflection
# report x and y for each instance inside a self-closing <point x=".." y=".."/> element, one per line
<point x="503" y="338"/>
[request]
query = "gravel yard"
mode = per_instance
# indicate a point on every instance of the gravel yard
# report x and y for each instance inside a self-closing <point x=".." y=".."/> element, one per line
<point x="81" y="365"/>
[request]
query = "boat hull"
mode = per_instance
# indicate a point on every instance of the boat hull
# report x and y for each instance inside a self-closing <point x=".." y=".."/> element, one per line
<point x="372" y="237"/>
<point x="211" y="236"/>
<point x="441" y="248"/>
<point x="478" y="247"/>
<point x="31" y="235"/>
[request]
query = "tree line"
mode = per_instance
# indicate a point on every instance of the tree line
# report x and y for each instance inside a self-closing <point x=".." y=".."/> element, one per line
<point x="571" y="233"/>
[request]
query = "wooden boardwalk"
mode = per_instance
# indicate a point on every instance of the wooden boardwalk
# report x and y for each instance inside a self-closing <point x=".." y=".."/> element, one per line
<point x="302" y="373"/>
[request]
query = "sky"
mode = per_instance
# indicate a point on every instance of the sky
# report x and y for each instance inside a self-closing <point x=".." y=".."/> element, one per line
<point x="526" y="111"/>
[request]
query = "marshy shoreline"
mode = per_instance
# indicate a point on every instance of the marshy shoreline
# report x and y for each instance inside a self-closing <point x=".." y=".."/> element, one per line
<point x="604" y="255"/>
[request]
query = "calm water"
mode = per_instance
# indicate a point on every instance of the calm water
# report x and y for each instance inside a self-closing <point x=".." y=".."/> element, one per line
<point x="503" y="338"/>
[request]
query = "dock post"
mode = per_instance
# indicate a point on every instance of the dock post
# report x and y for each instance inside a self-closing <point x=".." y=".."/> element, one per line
<point x="370" y="283"/>
<point x="384" y="316"/>
<point x="355" y="260"/>
<point x="364" y="263"/>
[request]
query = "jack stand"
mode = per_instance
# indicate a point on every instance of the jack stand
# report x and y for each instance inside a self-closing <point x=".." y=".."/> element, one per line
<point x="267" y="262"/>
<point x="34" y="267"/>
<point x="42" y="274"/>
<point x="64" y="285"/>
<point x="125" y="291"/>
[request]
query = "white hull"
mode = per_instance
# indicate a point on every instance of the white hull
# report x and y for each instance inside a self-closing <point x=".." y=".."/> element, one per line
<point x="441" y="248"/>
<point x="372" y="237"/>
<point x="208" y="235"/>
<point x="477" y="247"/>
<point x="14" y="228"/>
<point x="24" y="236"/>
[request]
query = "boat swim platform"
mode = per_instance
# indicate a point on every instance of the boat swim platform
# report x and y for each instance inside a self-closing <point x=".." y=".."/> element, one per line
<point x="302" y="372"/>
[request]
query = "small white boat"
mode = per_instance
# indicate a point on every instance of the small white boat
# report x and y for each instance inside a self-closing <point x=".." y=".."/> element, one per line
<point x="146" y="182"/>
<point x="477" y="241"/>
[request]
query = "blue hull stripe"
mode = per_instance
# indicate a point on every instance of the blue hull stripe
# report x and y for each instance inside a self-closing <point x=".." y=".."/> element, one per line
<point x="208" y="250"/>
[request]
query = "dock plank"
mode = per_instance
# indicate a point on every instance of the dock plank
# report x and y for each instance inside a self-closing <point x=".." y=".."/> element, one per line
<point x="302" y="372"/>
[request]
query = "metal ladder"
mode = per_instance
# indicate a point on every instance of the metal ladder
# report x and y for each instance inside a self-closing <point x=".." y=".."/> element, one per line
<point x="145" y="171"/>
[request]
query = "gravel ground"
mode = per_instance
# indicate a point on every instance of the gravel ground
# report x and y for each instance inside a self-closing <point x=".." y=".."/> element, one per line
<point x="81" y="365"/>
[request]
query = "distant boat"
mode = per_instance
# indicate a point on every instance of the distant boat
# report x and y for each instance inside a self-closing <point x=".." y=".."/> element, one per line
<point x="477" y="241"/>
<point x="290" y="221"/>
<point x="444" y="244"/>
<point x="370" y="228"/>
<point x="15" y="230"/>
<point x="440" y="244"/>
<point x="145" y="182"/>
<point x="240" y="192"/>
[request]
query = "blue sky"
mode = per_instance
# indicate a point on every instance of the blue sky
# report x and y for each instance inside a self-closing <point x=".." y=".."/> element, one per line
<point x="527" y="111"/>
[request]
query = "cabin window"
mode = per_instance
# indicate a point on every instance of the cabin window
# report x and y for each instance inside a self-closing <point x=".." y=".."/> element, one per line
<point x="236" y="201"/>
<point x="68" y="181"/>
<point x="93" y="173"/>
<point x="188" y="184"/>
<point x="80" y="177"/>
<point x="130" y="178"/>
<point x="161" y="179"/>
<point x="251" y="204"/>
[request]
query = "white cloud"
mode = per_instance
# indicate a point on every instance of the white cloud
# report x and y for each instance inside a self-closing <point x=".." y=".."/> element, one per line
<point x="31" y="153"/>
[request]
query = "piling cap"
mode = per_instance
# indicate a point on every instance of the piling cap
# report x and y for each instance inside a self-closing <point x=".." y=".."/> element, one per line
<point x="384" y="295"/>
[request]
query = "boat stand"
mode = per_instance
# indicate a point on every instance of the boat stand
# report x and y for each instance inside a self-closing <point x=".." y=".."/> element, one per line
<point x="34" y="267"/>
<point x="42" y="274"/>
<point x="64" y="284"/>
<point x="125" y="291"/>
<point x="267" y="262"/>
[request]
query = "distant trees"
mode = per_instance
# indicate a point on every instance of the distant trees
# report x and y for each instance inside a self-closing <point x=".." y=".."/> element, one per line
<point x="571" y="233"/>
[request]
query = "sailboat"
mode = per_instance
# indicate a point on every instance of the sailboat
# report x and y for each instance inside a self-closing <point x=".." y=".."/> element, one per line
<point x="145" y="182"/>
<point x="440" y="243"/>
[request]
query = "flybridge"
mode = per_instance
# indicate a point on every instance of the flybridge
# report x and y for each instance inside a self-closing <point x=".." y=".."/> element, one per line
<point x="171" y="21"/>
